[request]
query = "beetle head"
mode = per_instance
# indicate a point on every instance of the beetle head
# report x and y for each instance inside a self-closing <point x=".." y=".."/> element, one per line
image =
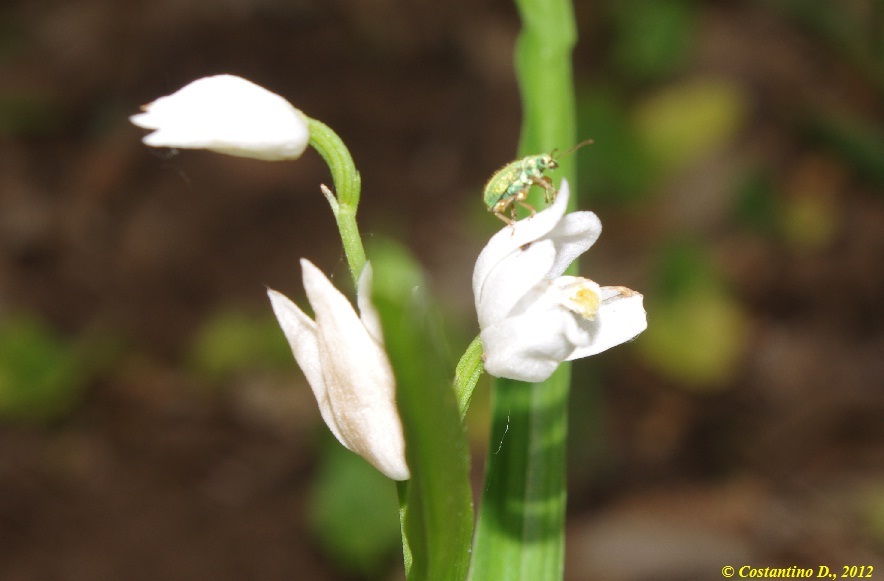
<point x="548" y="161"/>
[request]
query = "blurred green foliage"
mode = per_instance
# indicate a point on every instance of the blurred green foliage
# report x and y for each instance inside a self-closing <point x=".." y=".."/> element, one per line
<point x="638" y="145"/>
<point x="756" y="206"/>
<point x="681" y="123"/>
<point x="859" y="143"/>
<point x="697" y="330"/>
<point x="648" y="129"/>
<point x="871" y="510"/>
<point x="233" y="341"/>
<point x="654" y="37"/>
<point x="809" y="222"/>
<point x="353" y="514"/>
<point x="28" y="114"/>
<point x="616" y="168"/>
<point x="41" y="375"/>
<point x="854" y="31"/>
<point x="590" y="454"/>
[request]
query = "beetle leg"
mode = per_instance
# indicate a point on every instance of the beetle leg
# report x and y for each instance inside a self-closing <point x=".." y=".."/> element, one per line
<point x="528" y="206"/>
<point x="504" y="218"/>
<point x="548" y="188"/>
<point x="510" y="222"/>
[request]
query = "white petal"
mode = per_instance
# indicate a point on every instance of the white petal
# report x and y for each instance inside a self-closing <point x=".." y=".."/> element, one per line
<point x="359" y="378"/>
<point x="620" y="318"/>
<point x="528" y="347"/>
<point x="511" y="238"/>
<point x="511" y="279"/>
<point x="367" y="311"/>
<point x="300" y="330"/>
<point x="573" y="236"/>
<point x="227" y="114"/>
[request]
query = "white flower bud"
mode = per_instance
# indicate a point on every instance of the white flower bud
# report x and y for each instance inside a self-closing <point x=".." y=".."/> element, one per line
<point x="343" y="358"/>
<point x="226" y="114"/>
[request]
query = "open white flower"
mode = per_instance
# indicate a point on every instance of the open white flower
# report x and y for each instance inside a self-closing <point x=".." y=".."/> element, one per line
<point x="226" y="114"/>
<point x="343" y="358"/>
<point x="531" y="317"/>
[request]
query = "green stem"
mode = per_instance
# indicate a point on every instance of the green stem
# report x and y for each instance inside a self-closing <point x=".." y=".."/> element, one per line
<point x="345" y="200"/>
<point x="543" y="67"/>
<point x="520" y="534"/>
<point x="520" y="531"/>
<point x="436" y="511"/>
<point x="467" y="373"/>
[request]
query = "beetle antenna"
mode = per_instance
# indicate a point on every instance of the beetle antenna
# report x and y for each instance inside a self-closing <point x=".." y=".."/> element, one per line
<point x="574" y="148"/>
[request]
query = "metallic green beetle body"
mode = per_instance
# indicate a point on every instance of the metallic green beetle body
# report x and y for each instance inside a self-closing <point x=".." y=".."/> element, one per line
<point x="510" y="185"/>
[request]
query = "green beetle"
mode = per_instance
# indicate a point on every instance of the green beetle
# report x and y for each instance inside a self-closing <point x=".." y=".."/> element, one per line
<point x="510" y="184"/>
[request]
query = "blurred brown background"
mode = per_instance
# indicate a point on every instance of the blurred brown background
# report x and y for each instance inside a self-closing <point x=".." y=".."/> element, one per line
<point x="153" y="424"/>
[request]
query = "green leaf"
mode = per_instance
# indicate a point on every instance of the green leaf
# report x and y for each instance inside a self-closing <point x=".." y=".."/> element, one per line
<point x="520" y="530"/>
<point x="520" y="534"/>
<point x="436" y="509"/>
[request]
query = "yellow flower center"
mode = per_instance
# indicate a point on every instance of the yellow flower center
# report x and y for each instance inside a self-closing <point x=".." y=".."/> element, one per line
<point x="582" y="296"/>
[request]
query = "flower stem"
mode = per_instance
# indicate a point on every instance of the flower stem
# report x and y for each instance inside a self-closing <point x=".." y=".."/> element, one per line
<point x="467" y="373"/>
<point x="345" y="199"/>
<point x="520" y="531"/>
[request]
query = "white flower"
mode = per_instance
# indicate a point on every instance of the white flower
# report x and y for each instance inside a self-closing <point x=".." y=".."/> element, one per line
<point x="531" y="317"/>
<point x="344" y="361"/>
<point x="226" y="114"/>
